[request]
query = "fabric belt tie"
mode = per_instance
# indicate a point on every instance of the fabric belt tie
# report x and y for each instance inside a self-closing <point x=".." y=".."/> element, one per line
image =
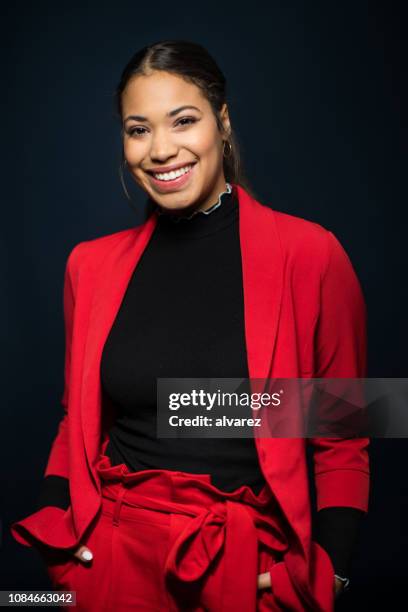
<point x="225" y="524"/>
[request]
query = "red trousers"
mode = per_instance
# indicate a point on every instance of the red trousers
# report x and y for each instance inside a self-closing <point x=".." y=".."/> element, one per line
<point x="169" y="541"/>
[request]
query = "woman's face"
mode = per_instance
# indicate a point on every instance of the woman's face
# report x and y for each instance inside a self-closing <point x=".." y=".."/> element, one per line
<point x="158" y="133"/>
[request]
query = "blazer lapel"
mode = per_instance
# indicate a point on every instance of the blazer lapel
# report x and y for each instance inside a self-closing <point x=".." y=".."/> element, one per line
<point x="262" y="271"/>
<point x="282" y="459"/>
<point x="113" y="277"/>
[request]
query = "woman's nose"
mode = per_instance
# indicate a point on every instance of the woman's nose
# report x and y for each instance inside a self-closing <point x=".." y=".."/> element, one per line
<point x="162" y="148"/>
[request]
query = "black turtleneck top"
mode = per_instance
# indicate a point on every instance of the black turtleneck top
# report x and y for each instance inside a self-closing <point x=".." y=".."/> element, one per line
<point x="182" y="316"/>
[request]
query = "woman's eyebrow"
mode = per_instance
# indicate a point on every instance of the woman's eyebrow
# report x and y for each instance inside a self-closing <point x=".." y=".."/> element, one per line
<point x="169" y="114"/>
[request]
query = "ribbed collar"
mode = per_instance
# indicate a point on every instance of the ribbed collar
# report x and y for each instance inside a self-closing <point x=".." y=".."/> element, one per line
<point x="221" y="214"/>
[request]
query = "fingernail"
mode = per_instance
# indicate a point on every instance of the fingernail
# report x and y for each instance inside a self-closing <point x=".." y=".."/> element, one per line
<point x="86" y="555"/>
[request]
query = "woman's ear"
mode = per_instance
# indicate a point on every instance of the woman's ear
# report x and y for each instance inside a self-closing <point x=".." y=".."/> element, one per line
<point x="224" y="115"/>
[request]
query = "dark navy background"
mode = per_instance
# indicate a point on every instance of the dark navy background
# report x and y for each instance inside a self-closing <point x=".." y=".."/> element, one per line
<point x="317" y="97"/>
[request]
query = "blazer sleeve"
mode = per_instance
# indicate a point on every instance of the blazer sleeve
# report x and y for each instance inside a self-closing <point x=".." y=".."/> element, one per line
<point x="38" y="527"/>
<point x="341" y="465"/>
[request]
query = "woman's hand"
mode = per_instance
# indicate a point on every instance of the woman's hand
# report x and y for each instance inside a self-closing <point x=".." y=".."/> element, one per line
<point x="264" y="580"/>
<point x="338" y="586"/>
<point x="57" y="556"/>
<point x="83" y="554"/>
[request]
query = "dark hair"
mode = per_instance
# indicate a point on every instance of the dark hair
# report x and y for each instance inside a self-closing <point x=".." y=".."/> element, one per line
<point x="192" y="62"/>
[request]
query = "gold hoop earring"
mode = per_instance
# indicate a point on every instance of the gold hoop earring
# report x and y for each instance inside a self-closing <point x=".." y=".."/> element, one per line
<point x="230" y="149"/>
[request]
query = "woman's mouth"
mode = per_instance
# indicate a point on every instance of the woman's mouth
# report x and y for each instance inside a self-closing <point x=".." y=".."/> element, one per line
<point x="172" y="181"/>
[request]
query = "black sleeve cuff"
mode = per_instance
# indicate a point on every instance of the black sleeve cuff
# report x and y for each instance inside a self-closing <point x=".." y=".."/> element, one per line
<point x="337" y="530"/>
<point x="54" y="492"/>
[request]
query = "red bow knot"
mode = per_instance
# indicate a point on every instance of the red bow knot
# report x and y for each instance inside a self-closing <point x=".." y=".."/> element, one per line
<point x="226" y="525"/>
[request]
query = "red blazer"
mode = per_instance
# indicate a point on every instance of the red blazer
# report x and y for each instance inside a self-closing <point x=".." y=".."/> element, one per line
<point x="304" y="317"/>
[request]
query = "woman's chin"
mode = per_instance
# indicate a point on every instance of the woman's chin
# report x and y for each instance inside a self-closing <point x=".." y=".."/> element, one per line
<point x="176" y="203"/>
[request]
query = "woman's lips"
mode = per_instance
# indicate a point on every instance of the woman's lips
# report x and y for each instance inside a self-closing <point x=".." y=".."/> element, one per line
<point x="174" y="184"/>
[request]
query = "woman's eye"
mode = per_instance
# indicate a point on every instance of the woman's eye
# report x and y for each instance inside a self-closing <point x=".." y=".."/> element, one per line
<point x="134" y="130"/>
<point x="188" y="119"/>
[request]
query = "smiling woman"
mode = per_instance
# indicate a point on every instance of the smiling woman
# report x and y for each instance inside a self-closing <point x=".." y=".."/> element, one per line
<point x="213" y="284"/>
<point x="156" y="135"/>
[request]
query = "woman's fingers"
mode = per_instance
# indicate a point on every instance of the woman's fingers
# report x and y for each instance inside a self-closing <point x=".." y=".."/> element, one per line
<point x="264" y="580"/>
<point x="83" y="554"/>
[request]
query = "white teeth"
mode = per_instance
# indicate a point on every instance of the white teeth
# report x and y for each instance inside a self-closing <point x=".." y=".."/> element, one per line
<point x="170" y="176"/>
